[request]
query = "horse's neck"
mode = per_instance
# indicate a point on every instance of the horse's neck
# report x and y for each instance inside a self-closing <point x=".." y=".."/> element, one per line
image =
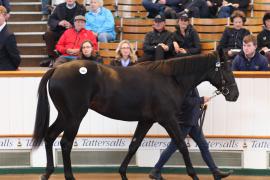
<point x="192" y="72"/>
<point x="192" y="81"/>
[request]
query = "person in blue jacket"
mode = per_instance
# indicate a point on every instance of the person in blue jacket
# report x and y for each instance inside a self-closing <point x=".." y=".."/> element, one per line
<point x="188" y="121"/>
<point x="100" y="20"/>
<point x="249" y="59"/>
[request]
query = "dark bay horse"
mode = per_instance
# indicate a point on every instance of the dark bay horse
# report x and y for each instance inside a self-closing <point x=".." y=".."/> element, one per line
<point x="148" y="92"/>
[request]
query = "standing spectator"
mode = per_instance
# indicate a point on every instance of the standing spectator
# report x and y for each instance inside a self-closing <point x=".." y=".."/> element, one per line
<point x="61" y="19"/>
<point x="229" y="6"/>
<point x="250" y="59"/>
<point x="6" y="4"/>
<point x="264" y="37"/>
<point x="100" y="20"/>
<point x="232" y="39"/>
<point x="186" y="40"/>
<point x="9" y="54"/>
<point x="188" y="122"/>
<point x="125" y="55"/>
<point x="87" y="52"/>
<point x="157" y="44"/>
<point x="70" y="42"/>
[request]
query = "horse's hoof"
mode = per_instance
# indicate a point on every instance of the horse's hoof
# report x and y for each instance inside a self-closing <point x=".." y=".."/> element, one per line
<point x="43" y="177"/>
<point x="195" y="178"/>
<point x="124" y="177"/>
<point x="70" y="178"/>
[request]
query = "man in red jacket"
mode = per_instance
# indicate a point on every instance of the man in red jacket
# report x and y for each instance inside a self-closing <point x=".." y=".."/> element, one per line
<point x="69" y="43"/>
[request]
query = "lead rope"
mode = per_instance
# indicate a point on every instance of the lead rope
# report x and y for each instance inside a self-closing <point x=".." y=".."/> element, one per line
<point x="204" y="108"/>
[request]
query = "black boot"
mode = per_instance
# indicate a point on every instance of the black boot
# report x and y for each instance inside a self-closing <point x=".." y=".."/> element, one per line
<point x="155" y="174"/>
<point x="218" y="175"/>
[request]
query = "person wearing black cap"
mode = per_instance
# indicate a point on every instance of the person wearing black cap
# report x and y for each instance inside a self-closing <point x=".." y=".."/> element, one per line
<point x="186" y="40"/>
<point x="188" y="121"/>
<point x="157" y="43"/>
<point x="263" y="37"/>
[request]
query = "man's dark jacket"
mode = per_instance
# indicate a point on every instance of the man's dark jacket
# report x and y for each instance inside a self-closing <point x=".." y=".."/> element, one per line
<point x="154" y="37"/>
<point x="9" y="54"/>
<point x="60" y="13"/>
<point x="190" y="110"/>
<point x="263" y="39"/>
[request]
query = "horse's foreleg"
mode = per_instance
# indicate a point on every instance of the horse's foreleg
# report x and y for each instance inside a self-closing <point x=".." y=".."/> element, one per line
<point x="54" y="130"/>
<point x="174" y="132"/>
<point x="140" y="132"/>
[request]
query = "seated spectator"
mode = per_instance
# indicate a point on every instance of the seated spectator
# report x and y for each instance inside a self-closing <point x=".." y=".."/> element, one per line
<point x="100" y="20"/>
<point x="186" y="40"/>
<point x="157" y="44"/>
<point x="196" y="8"/>
<point x="213" y="6"/>
<point x="61" y="19"/>
<point x="125" y="55"/>
<point x="6" y="4"/>
<point x="250" y="59"/>
<point x="229" y="6"/>
<point x="170" y="8"/>
<point x="87" y="52"/>
<point x="70" y="42"/>
<point x="9" y="54"/>
<point x="231" y="41"/>
<point x="263" y="37"/>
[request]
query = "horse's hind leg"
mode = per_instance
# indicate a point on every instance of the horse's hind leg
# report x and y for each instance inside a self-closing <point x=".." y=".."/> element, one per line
<point x="140" y="132"/>
<point x="73" y="122"/>
<point x="54" y="130"/>
<point x="174" y="132"/>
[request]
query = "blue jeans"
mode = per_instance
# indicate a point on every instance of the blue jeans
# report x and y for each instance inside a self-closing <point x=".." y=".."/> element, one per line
<point x="225" y="12"/>
<point x="196" y="134"/>
<point x="153" y="8"/>
<point x="105" y="37"/>
<point x="44" y="7"/>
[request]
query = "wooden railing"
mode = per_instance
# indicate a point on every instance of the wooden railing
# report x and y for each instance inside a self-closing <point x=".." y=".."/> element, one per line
<point x="39" y="73"/>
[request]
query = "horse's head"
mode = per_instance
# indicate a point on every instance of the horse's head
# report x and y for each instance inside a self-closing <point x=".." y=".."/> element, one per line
<point x="223" y="79"/>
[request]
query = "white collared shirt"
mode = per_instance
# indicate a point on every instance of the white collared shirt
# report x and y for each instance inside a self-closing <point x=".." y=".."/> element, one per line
<point x="71" y="7"/>
<point x="125" y="63"/>
<point x="2" y="26"/>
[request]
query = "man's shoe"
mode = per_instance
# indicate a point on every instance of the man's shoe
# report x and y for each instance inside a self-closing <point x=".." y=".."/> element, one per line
<point x="155" y="174"/>
<point x="218" y="175"/>
<point x="46" y="62"/>
<point x="44" y="17"/>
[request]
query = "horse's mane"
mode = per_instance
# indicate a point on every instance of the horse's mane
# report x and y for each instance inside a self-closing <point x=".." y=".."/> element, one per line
<point x="181" y="65"/>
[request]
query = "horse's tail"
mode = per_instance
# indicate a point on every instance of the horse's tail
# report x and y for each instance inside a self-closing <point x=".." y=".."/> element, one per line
<point x="43" y="110"/>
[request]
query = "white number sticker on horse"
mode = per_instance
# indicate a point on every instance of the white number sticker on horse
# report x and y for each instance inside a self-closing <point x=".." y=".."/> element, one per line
<point x="83" y="70"/>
